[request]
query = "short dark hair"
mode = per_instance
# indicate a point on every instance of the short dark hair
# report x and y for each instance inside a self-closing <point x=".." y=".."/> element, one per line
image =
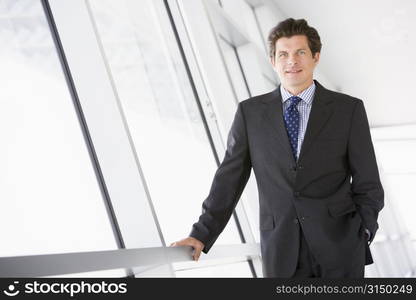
<point x="291" y="27"/>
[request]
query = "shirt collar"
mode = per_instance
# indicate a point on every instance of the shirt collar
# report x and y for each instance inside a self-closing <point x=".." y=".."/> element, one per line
<point x="306" y="95"/>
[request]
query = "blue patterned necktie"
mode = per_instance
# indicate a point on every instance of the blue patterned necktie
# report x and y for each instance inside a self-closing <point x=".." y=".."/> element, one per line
<point x="292" y="124"/>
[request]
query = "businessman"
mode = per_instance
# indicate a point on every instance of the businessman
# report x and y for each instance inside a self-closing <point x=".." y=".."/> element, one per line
<point x="311" y="152"/>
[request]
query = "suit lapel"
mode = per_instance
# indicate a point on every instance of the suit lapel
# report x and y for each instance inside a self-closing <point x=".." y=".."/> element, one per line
<point x="273" y="115"/>
<point x="320" y="112"/>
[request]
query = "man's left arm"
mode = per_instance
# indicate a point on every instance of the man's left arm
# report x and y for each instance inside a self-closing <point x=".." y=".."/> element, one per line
<point x="368" y="193"/>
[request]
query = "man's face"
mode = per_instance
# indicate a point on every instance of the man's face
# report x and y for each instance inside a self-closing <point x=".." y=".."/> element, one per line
<point x="294" y="63"/>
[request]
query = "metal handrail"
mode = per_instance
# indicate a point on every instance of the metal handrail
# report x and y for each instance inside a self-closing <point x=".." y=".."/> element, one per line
<point x="79" y="262"/>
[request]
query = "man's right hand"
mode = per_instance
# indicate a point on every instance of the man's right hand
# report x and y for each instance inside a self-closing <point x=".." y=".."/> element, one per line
<point x="194" y="243"/>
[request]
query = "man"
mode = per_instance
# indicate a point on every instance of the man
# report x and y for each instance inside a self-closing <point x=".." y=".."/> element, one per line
<point x="305" y="144"/>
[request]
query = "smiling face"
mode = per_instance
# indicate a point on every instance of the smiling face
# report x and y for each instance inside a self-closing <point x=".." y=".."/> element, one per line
<point x="294" y="63"/>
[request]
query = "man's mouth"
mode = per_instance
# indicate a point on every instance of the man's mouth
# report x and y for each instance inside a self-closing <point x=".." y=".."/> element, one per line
<point x="293" y="71"/>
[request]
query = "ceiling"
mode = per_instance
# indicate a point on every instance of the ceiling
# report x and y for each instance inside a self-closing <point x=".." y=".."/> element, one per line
<point x="368" y="51"/>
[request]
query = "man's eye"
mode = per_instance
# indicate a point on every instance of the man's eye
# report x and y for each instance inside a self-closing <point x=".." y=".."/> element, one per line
<point x="282" y="54"/>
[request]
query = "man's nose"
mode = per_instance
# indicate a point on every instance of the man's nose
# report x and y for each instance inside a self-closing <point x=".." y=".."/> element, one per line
<point x="292" y="60"/>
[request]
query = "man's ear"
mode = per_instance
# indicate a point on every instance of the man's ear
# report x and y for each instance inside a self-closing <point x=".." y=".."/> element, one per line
<point x="316" y="57"/>
<point x="272" y="60"/>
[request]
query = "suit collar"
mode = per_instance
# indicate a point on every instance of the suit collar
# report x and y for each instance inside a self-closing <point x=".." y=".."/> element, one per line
<point x="320" y="112"/>
<point x="321" y="93"/>
<point x="306" y="95"/>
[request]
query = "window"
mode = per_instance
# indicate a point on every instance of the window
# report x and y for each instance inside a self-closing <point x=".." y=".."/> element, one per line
<point x="161" y="112"/>
<point x="51" y="200"/>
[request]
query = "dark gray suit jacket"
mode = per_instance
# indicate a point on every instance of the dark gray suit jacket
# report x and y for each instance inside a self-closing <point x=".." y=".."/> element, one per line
<point x="333" y="191"/>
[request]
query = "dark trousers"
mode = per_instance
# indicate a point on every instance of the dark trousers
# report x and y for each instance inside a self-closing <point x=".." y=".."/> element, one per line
<point x="308" y="267"/>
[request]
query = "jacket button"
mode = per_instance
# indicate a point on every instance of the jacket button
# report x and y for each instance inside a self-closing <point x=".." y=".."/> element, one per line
<point x="296" y="221"/>
<point x="300" y="167"/>
<point x="293" y="169"/>
<point x="297" y="194"/>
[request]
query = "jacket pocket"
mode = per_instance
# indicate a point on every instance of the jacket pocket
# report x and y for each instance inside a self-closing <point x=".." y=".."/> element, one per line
<point x="337" y="209"/>
<point x="266" y="222"/>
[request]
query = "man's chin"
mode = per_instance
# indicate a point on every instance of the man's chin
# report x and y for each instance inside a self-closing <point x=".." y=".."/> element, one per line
<point x="292" y="83"/>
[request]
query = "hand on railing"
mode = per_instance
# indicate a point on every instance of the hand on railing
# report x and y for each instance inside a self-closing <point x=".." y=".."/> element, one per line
<point x="196" y="244"/>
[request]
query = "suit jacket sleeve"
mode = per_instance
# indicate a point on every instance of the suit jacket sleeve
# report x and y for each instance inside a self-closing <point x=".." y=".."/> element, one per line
<point x="227" y="186"/>
<point x="367" y="190"/>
